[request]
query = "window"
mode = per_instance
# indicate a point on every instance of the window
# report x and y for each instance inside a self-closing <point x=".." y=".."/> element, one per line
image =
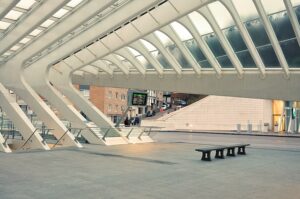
<point x="109" y="107"/>
<point x="117" y="95"/>
<point x="117" y="108"/>
<point x="109" y="95"/>
<point x="123" y="97"/>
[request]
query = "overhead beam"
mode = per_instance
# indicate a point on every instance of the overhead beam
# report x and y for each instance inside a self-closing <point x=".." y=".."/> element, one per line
<point x="274" y="86"/>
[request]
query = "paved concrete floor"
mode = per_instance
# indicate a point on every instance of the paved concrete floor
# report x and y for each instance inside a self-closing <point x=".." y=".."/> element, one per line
<point x="169" y="168"/>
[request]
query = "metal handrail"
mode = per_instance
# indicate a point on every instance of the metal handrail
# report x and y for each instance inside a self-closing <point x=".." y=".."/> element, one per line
<point x="143" y="131"/>
<point x="127" y="136"/>
<point x="60" y="138"/>
<point x="28" y="139"/>
<point x="106" y="133"/>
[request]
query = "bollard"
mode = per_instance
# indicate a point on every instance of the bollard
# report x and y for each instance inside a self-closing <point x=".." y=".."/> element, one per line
<point x="249" y="128"/>
<point x="238" y="128"/>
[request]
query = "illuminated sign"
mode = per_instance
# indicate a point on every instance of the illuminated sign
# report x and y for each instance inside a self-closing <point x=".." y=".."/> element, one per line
<point x="139" y="99"/>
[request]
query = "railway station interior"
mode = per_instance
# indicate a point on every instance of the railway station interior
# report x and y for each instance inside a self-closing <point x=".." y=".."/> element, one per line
<point x="121" y="98"/>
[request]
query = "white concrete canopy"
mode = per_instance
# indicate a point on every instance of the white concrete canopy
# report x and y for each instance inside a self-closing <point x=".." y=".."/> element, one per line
<point x="46" y="47"/>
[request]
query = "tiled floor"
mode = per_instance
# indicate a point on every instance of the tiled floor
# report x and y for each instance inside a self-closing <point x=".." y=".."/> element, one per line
<point x="169" y="168"/>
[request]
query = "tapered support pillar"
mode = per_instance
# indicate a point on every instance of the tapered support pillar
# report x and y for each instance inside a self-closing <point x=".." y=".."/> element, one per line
<point x="68" y="111"/>
<point x="3" y="146"/>
<point x="21" y="121"/>
<point x="47" y="116"/>
<point x="93" y="113"/>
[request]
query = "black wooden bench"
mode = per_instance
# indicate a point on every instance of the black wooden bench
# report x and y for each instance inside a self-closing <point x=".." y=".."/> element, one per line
<point x="220" y="151"/>
<point x="241" y="149"/>
<point x="206" y="152"/>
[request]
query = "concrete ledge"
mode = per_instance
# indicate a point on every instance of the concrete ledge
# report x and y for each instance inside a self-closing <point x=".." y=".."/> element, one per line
<point x="234" y="133"/>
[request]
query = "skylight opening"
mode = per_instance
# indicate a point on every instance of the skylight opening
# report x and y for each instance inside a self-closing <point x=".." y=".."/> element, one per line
<point x="59" y="14"/>
<point x="25" y="40"/>
<point x="148" y="45"/>
<point x="74" y="3"/>
<point x="200" y="23"/>
<point x="13" y="15"/>
<point x="272" y="6"/>
<point x="221" y="14"/>
<point x="4" y="25"/>
<point x="133" y="51"/>
<point x="163" y="38"/>
<point x="47" y="23"/>
<point x="246" y="9"/>
<point x="181" y="31"/>
<point x="35" y="32"/>
<point x="295" y="2"/>
<point x="26" y="4"/>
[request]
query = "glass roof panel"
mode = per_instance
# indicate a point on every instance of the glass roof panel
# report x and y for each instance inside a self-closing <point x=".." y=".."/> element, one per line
<point x="35" y="32"/>
<point x="291" y="51"/>
<point x="181" y="31"/>
<point x="148" y="45"/>
<point x="74" y="3"/>
<point x="180" y="58"/>
<point x="25" y="40"/>
<point x="246" y="9"/>
<point x="133" y="51"/>
<point x="13" y="15"/>
<point x="145" y="62"/>
<point x="161" y="59"/>
<point x="60" y="13"/>
<point x="272" y="6"/>
<point x="25" y="4"/>
<point x="200" y="23"/>
<point x="163" y="38"/>
<point x="221" y="15"/>
<point x="47" y="23"/>
<point x="281" y="21"/>
<point x="295" y="2"/>
<point x="4" y="25"/>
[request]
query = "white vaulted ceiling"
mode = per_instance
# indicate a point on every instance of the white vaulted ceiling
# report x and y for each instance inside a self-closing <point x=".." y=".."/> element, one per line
<point x="244" y="48"/>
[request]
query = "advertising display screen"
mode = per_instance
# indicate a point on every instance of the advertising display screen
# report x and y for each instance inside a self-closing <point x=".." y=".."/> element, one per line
<point x="139" y="99"/>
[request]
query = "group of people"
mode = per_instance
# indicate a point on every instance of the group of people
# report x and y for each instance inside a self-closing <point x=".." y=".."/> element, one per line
<point x="136" y="121"/>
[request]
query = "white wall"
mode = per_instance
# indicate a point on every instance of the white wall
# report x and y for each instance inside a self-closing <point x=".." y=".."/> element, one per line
<point x="218" y="113"/>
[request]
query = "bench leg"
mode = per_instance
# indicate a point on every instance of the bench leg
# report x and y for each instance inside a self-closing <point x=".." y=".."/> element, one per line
<point x="241" y="150"/>
<point x="220" y="154"/>
<point x="231" y="152"/>
<point x="206" y="156"/>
